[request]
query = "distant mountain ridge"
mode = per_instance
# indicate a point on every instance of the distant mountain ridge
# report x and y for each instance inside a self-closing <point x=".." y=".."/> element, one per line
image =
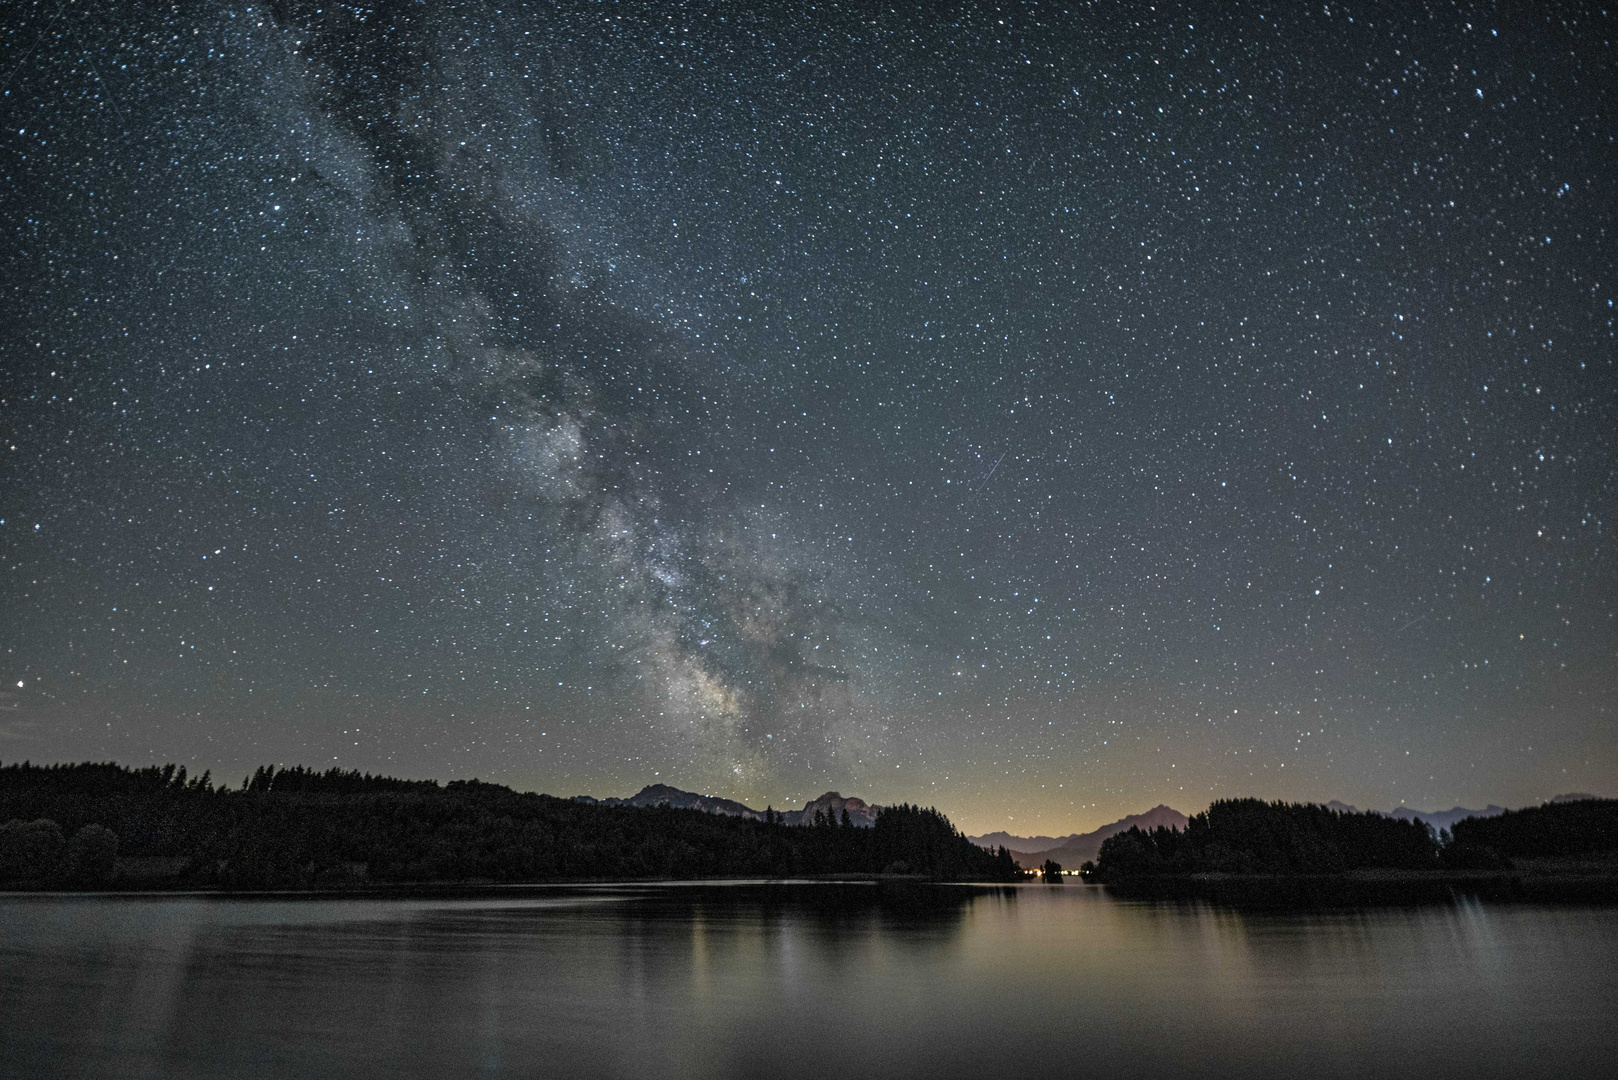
<point x="1444" y="819"/>
<point x="1438" y="819"/>
<point x="860" y="813"/>
<point x="1019" y="843"/>
<point x="1075" y="850"/>
<point x="1029" y="851"/>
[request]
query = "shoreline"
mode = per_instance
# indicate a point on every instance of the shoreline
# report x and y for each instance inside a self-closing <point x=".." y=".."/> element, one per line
<point x="472" y="885"/>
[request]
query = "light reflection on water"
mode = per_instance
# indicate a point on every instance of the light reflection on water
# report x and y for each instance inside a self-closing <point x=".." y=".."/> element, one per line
<point x="803" y="981"/>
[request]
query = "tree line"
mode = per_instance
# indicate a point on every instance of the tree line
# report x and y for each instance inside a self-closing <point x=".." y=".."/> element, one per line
<point x="295" y="828"/>
<point x="1250" y="836"/>
<point x="1553" y="830"/>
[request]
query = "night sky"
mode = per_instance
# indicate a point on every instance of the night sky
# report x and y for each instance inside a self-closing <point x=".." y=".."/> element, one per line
<point x="1036" y="411"/>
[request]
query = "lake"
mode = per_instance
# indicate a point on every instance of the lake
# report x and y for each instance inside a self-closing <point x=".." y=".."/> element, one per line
<point x="811" y="980"/>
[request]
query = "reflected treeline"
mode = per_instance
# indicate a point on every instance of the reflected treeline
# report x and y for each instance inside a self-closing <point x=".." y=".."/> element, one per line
<point x="1282" y="893"/>
<point x="296" y="828"/>
<point x="888" y="905"/>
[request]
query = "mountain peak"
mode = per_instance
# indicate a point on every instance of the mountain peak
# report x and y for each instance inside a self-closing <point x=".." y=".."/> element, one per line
<point x="859" y="811"/>
<point x="653" y="790"/>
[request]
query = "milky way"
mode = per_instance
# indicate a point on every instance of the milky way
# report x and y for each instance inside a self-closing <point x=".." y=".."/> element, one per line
<point x="1040" y="412"/>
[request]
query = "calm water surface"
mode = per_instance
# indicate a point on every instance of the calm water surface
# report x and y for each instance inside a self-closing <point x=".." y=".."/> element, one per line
<point x="813" y="980"/>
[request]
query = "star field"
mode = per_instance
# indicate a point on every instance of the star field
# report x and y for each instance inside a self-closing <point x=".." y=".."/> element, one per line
<point x="1040" y="411"/>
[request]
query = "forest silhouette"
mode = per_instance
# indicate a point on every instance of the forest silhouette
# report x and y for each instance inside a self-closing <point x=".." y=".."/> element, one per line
<point x="1253" y="838"/>
<point x="301" y="828"/>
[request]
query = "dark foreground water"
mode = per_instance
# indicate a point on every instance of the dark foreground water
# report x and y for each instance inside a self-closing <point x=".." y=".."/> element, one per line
<point x="812" y="981"/>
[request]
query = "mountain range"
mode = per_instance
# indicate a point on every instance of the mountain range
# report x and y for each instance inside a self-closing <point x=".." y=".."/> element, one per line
<point x="1078" y="848"/>
<point x="1446" y="819"/>
<point x="860" y="813"/>
<point x="1018" y="843"/>
<point x="1074" y="850"/>
<point x="1029" y="852"/>
<point x="1438" y="819"/>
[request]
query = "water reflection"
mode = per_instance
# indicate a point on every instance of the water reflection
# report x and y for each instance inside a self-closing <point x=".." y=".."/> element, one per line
<point x="796" y="981"/>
